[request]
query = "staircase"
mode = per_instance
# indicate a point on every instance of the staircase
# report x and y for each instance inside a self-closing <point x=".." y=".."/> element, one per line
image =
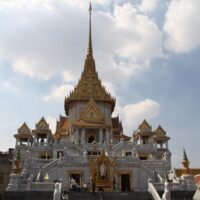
<point x="111" y="196"/>
<point x="31" y="195"/>
<point x="77" y="196"/>
<point x="50" y="166"/>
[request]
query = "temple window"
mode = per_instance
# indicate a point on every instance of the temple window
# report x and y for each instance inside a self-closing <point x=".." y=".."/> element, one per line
<point x="90" y="139"/>
<point x="128" y="154"/>
<point x="60" y="152"/>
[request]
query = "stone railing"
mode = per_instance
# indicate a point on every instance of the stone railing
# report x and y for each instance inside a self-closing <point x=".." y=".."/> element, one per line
<point x="52" y="165"/>
<point x="148" y="169"/>
<point x="145" y="147"/>
<point x="73" y="159"/>
<point x="23" y="148"/>
<point x="125" y="144"/>
<point x="38" y="186"/>
<point x="40" y="162"/>
<point x="153" y="191"/>
<point x="122" y="159"/>
<point x="179" y="186"/>
<point x="156" y="163"/>
<point x="117" y="146"/>
<point x="90" y="146"/>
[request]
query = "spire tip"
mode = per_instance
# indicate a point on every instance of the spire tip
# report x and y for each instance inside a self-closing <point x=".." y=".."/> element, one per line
<point x="89" y="51"/>
<point x="90" y="8"/>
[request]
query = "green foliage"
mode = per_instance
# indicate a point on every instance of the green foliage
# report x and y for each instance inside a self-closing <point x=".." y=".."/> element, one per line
<point x="18" y="156"/>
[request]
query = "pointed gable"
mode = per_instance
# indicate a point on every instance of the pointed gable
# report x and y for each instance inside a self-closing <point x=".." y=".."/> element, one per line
<point x="61" y="128"/>
<point x="24" y="129"/>
<point x="23" y="132"/>
<point x="91" y="112"/>
<point x="160" y="131"/>
<point x="145" y="126"/>
<point x="42" y="124"/>
<point x="160" y="135"/>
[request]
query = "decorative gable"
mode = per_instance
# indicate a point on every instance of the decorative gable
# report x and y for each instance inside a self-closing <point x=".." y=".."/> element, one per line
<point x="42" y="124"/>
<point x="160" y="135"/>
<point x="160" y="131"/>
<point x="24" y="129"/>
<point x="144" y="125"/>
<point x="91" y="112"/>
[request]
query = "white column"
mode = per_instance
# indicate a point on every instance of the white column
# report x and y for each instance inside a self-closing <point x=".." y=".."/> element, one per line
<point x="16" y="143"/>
<point x="107" y="136"/>
<point x="29" y="143"/>
<point x="140" y="140"/>
<point x="76" y="136"/>
<point x="111" y="136"/>
<point x="48" y="139"/>
<point x="100" y="136"/>
<point x="83" y="136"/>
<point x="167" y="144"/>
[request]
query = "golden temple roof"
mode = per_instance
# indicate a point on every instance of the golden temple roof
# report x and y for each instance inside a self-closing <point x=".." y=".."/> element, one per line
<point x="61" y="128"/>
<point x="193" y="171"/>
<point x="23" y="132"/>
<point x="89" y="84"/>
<point x="160" y="134"/>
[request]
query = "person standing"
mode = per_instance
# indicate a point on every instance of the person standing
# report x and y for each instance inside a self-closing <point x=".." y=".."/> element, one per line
<point x="93" y="184"/>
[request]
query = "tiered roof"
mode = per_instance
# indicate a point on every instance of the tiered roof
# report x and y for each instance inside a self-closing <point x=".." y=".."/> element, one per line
<point x="89" y="84"/>
<point x="145" y="129"/>
<point x="160" y="134"/>
<point x="61" y="128"/>
<point x="42" y="127"/>
<point x="24" y="132"/>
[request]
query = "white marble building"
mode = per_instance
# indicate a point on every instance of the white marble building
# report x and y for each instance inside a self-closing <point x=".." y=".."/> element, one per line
<point x="89" y="143"/>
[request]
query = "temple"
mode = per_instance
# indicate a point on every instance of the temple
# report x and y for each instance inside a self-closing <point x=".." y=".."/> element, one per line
<point x="89" y="144"/>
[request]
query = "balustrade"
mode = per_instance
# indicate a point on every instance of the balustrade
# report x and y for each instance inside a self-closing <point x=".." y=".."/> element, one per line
<point x="153" y="191"/>
<point x="172" y="186"/>
<point x="38" y="186"/>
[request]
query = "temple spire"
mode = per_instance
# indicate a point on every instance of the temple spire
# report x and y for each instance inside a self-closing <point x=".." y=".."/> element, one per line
<point x="185" y="163"/>
<point x="89" y="50"/>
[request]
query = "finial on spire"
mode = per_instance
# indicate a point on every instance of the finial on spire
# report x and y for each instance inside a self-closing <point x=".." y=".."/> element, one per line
<point x="89" y="50"/>
<point x="90" y="8"/>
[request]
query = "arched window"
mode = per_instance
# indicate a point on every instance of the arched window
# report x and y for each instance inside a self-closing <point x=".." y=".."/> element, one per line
<point x="90" y="139"/>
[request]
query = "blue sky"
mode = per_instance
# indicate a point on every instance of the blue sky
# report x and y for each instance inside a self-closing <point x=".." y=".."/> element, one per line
<point x="146" y="52"/>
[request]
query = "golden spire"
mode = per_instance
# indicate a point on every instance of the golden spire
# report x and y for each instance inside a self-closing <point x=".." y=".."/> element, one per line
<point x="89" y="84"/>
<point x="89" y="50"/>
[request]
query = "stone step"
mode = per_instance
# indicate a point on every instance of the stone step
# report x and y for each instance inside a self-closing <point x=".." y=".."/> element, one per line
<point x="110" y="196"/>
<point x="76" y="196"/>
<point x="176" y="195"/>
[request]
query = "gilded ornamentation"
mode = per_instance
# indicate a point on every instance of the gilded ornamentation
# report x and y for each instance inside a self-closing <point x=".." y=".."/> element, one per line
<point x="91" y="112"/>
<point x="101" y="169"/>
<point x="89" y="84"/>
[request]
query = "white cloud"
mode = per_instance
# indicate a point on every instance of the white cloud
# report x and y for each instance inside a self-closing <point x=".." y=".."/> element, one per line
<point x="33" y="68"/>
<point x="9" y="86"/>
<point x="59" y="92"/>
<point x="182" y="25"/>
<point x="43" y="39"/>
<point x="85" y="4"/>
<point x="68" y="76"/>
<point x="148" y="5"/>
<point x="52" y="123"/>
<point x="133" y="114"/>
<point x="140" y="37"/>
